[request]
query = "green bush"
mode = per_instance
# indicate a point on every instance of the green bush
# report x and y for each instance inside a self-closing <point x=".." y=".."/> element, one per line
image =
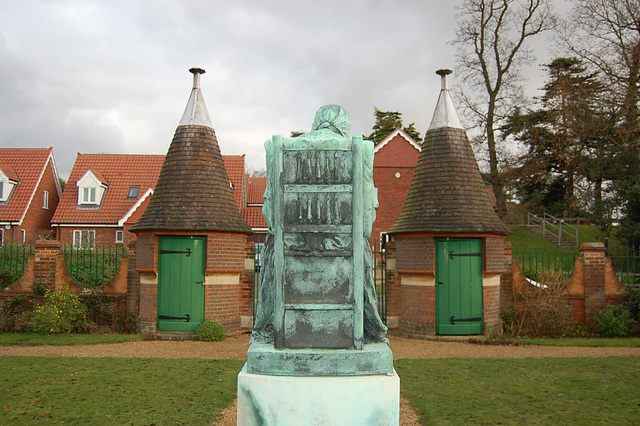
<point x="39" y="289"/>
<point x="10" y="311"/>
<point x="615" y="321"/>
<point x="631" y="301"/>
<point x="62" y="312"/>
<point x="210" y="331"/>
<point x="6" y="278"/>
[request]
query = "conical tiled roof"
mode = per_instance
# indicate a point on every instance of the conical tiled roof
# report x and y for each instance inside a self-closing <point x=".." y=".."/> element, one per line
<point x="447" y="193"/>
<point x="193" y="192"/>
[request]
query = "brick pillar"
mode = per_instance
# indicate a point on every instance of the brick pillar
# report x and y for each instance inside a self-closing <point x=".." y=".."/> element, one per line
<point x="593" y="260"/>
<point x="246" y="289"/>
<point x="45" y="263"/>
<point x="133" y="281"/>
<point x="506" y="281"/>
<point x="393" y="295"/>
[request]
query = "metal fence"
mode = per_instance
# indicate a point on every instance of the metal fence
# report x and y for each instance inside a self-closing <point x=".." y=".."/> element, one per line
<point x="626" y="264"/>
<point x="13" y="260"/>
<point x="536" y="260"/>
<point x="93" y="267"/>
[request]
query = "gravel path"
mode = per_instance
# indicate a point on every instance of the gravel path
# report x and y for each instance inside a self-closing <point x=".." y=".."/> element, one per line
<point x="236" y="348"/>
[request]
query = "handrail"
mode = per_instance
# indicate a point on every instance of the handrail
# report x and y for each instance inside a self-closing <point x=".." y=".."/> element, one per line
<point x="550" y="224"/>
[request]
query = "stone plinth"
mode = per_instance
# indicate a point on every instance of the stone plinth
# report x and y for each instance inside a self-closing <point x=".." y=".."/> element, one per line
<point x="375" y="358"/>
<point x="333" y="400"/>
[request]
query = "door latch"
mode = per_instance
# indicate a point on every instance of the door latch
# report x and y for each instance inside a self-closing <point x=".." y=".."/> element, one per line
<point x="439" y="283"/>
<point x="200" y="282"/>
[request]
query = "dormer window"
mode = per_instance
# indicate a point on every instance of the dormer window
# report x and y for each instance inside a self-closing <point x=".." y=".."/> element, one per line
<point x="8" y="181"/>
<point x="91" y="189"/>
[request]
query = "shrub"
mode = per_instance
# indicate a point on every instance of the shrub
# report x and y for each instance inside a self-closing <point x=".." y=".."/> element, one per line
<point x="541" y="310"/>
<point x="615" y="321"/>
<point x="62" y="312"/>
<point x="210" y="331"/>
<point x="10" y="311"/>
<point x="39" y="289"/>
<point x="6" y="278"/>
<point x="107" y="314"/>
<point x="631" y="300"/>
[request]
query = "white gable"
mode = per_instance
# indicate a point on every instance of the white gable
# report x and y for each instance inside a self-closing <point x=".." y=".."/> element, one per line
<point x="392" y="135"/>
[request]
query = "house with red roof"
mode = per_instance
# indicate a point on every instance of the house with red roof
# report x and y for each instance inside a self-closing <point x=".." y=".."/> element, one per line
<point x="107" y="193"/>
<point x="252" y="210"/>
<point x="29" y="193"/>
<point x="395" y="159"/>
<point x="104" y="196"/>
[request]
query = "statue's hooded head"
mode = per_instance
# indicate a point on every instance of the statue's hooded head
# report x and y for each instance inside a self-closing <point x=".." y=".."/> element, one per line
<point x="334" y="118"/>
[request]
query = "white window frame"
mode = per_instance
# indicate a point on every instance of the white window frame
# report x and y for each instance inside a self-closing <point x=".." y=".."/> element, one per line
<point x="1" y="237"/>
<point x="88" y="195"/>
<point x="1" y="190"/>
<point x="45" y="199"/>
<point x="84" y="238"/>
<point x="119" y="237"/>
<point x="23" y="235"/>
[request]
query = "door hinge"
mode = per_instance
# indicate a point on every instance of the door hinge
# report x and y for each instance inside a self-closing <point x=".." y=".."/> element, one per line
<point x="187" y="251"/>
<point x="452" y="254"/>
<point x="186" y="317"/>
<point x="454" y="319"/>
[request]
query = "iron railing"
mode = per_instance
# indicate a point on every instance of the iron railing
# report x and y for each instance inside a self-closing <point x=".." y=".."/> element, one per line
<point x="557" y="229"/>
<point x="626" y="264"/>
<point x="535" y="260"/>
<point x="13" y="259"/>
<point x="93" y="267"/>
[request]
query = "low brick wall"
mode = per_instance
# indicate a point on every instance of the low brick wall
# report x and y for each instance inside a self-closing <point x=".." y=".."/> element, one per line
<point x="592" y="286"/>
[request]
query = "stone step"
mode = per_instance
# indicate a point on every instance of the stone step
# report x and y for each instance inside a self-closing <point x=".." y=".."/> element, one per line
<point x="565" y="244"/>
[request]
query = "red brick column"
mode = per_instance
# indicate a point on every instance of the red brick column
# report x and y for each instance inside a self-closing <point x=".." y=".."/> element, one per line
<point x="133" y="281"/>
<point x="506" y="281"/>
<point x="593" y="258"/>
<point x="45" y="263"/>
<point x="393" y="296"/>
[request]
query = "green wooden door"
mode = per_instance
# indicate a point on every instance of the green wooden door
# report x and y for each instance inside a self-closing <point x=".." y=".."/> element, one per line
<point x="181" y="263"/>
<point x="459" y="286"/>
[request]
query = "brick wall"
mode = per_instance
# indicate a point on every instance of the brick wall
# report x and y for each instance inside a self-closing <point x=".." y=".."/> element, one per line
<point x="37" y="219"/>
<point x="592" y="285"/>
<point x="415" y="254"/>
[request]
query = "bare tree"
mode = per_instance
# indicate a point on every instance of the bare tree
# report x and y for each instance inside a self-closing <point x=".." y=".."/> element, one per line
<point x="491" y="41"/>
<point x="606" y="34"/>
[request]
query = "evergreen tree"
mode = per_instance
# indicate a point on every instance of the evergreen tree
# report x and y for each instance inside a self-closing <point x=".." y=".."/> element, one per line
<point x="387" y="122"/>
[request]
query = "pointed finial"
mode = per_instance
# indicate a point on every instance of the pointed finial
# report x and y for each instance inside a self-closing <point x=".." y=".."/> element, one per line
<point x="196" y="76"/>
<point x="443" y="73"/>
<point x="196" y="111"/>
<point x="445" y="114"/>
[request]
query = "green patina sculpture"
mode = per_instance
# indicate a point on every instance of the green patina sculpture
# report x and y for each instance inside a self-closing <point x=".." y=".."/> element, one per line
<point x="317" y="289"/>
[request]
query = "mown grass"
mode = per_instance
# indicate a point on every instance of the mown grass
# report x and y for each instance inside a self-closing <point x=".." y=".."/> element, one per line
<point x="523" y="391"/>
<point x="39" y="339"/>
<point x="618" y="342"/>
<point x="115" y="390"/>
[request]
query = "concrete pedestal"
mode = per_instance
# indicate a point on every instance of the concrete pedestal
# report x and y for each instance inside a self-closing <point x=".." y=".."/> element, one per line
<point x="329" y="400"/>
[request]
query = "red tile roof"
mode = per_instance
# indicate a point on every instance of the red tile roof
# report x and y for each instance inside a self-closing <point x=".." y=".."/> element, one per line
<point x="235" y="172"/>
<point x="255" y="189"/>
<point x="120" y="171"/>
<point x="26" y="165"/>
<point x="253" y="216"/>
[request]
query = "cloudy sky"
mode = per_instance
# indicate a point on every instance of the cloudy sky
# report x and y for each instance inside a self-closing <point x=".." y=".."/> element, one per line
<point x="112" y="76"/>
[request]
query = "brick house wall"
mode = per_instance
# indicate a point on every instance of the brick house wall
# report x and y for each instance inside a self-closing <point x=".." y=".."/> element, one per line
<point x="37" y="219"/>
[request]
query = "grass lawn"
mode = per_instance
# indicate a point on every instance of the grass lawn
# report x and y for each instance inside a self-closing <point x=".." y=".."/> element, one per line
<point x="622" y="342"/>
<point x="523" y="391"/>
<point x="38" y="339"/>
<point x="115" y="390"/>
<point x="190" y="391"/>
